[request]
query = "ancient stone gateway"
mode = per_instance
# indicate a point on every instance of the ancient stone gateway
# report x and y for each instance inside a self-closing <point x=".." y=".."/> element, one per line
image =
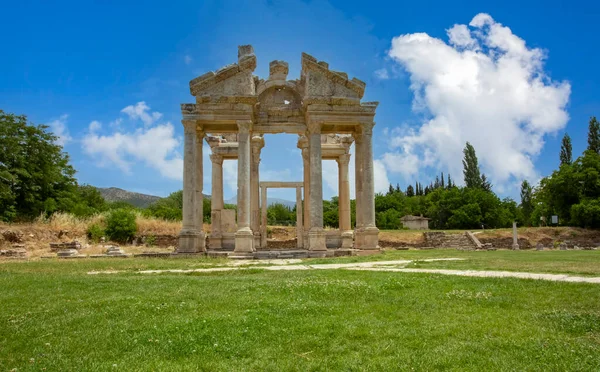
<point x="234" y="109"/>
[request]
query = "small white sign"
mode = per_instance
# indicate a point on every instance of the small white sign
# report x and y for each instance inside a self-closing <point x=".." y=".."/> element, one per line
<point x="555" y="220"/>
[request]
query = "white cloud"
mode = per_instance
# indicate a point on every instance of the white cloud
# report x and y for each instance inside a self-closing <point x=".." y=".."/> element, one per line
<point x="60" y="130"/>
<point x="95" y="126"/>
<point x="187" y="59"/>
<point x="486" y="87"/>
<point x="142" y="111"/>
<point x="157" y="146"/>
<point x="460" y="35"/>
<point x="382" y="74"/>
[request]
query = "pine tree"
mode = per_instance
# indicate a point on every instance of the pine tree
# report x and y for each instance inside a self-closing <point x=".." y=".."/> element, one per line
<point x="398" y="190"/>
<point x="390" y="190"/>
<point x="442" y="184"/>
<point x="437" y="182"/>
<point x="594" y="135"/>
<point x="566" y="150"/>
<point x="410" y="191"/>
<point x="471" y="167"/>
<point x="449" y="181"/>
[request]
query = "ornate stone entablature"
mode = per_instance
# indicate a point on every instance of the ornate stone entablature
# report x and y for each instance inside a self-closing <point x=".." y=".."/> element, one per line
<point x="276" y="104"/>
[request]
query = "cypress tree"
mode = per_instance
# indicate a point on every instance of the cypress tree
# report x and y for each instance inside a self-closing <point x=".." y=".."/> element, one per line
<point x="594" y="135"/>
<point x="566" y="150"/>
<point x="471" y="167"/>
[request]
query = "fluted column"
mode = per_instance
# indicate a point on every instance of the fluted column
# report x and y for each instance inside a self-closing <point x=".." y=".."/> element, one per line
<point x="344" y="192"/>
<point x="316" y="234"/>
<point x="199" y="197"/>
<point x="263" y="227"/>
<point x="358" y="172"/>
<point x="367" y="234"/>
<point x="299" y="225"/>
<point x="257" y="143"/>
<point x="188" y="237"/>
<point x="216" y="203"/>
<point x="306" y="162"/>
<point x="243" y="237"/>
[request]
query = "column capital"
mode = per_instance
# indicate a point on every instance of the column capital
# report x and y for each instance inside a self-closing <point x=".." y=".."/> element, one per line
<point x="213" y="141"/>
<point x="368" y="128"/>
<point x="200" y="135"/>
<point x="343" y="159"/>
<point x="244" y="126"/>
<point x="189" y="126"/>
<point x="314" y="127"/>
<point x="217" y="159"/>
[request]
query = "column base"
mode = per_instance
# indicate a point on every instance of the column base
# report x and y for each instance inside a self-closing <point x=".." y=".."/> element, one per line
<point x="215" y="241"/>
<point x="366" y="238"/>
<point x="515" y="247"/>
<point x="244" y="240"/>
<point x="190" y="241"/>
<point x="347" y="239"/>
<point x="257" y="241"/>
<point x="317" y="240"/>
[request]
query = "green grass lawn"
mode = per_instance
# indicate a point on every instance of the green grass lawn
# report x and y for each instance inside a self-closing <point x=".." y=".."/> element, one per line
<point x="56" y="317"/>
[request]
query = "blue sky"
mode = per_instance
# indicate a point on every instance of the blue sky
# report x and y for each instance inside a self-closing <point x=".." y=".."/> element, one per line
<point x="69" y="64"/>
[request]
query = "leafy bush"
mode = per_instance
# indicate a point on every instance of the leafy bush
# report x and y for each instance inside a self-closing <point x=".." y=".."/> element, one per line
<point x="120" y="225"/>
<point x="95" y="232"/>
<point x="150" y="240"/>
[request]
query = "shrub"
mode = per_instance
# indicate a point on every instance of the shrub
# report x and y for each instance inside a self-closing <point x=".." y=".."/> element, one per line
<point x="95" y="232"/>
<point x="150" y="240"/>
<point x="120" y="225"/>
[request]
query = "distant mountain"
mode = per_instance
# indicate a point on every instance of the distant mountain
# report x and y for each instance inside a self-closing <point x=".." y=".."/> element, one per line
<point x="114" y="194"/>
<point x="270" y="201"/>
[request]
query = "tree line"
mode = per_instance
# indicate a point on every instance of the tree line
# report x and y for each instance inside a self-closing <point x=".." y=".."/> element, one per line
<point x="36" y="177"/>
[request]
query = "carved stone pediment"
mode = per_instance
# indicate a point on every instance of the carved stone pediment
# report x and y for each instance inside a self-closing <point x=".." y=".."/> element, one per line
<point x="320" y="81"/>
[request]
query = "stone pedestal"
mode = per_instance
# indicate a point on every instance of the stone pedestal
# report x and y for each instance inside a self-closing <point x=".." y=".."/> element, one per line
<point x="347" y="239"/>
<point x="366" y="238"/>
<point x="188" y="241"/>
<point x="244" y="241"/>
<point x="317" y="239"/>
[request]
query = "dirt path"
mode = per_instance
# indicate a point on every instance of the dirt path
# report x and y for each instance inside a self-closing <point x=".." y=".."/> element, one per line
<point x="389" y="266"/>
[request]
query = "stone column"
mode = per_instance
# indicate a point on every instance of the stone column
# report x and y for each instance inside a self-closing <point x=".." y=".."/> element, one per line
<point x="263" y="227"/>
<point x="244" y="239"/>
<point x="344" y="201"/>
<point x="199" y="197"/>
<point x="367" y="235"/>
<point x="188" y="237"/>
<point x="299" y="225"/>
<point x="515" y="245"/>
<point x="216" y="203"/>
<point x="257" y="144"/>
<point x="303" y="146"/>
<point x="316" y="234"/>
<point x="358" y="177"/>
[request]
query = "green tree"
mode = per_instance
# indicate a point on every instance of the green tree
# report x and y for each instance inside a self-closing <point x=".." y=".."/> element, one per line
<point x="35" y="174"/>
<point x="526" y="202"/>
<point x="594" y="135"/>
<point x="120" y="225"/>
<point x="566" y="150"/>
<point x="471" y="167"/>
<point x="410" y="191"/>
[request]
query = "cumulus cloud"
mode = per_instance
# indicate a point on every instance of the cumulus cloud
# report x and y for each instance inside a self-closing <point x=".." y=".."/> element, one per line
<point x="60" y="130"/>
<point x="484" y="86"/>
<point x="95" y="126"/>
<point x="187" y="59"/>
<point x="156" y="146"/>
<point x="382" y="74"/>
<point x="142" y="112"/>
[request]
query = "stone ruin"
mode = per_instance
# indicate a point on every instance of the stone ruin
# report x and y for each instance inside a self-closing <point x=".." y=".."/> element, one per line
<point x="233" y="109"/>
